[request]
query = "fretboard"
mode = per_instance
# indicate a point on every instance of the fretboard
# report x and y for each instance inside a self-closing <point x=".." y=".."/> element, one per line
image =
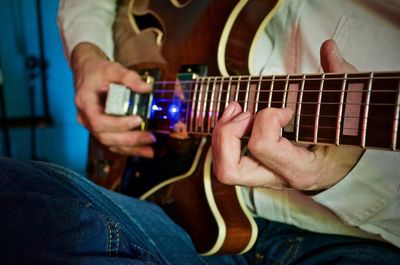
<point x="359" y="109"/>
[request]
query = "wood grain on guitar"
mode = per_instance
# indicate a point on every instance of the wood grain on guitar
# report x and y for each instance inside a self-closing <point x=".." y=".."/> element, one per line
<point x="218" y="34"/>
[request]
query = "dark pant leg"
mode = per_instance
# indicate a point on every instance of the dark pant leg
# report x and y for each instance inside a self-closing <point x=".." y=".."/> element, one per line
<point x="50" y="215"/>
<point x="280" y="244"/>
<point x="285" y="244"/>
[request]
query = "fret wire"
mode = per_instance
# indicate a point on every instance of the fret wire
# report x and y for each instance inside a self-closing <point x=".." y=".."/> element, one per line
<point x="257" y="95"/>
<point x="366" y="110"/>
<point x="185" y="89"/>
<point x="218" y="102"/>
<point x="340" y="112"/>
<point x="228" y="92"/>
<point x="211" y="105"/>
<point x="237" y="89"/>
<point x="299" y="108"/>
<point x="199" y="105"/>
<point x="284" y="99"/>
<point x="396" y="120"/>
<point x="271" y="89"/>
<point x="285" y="92"/>
<point x="204" y="109"/>
<point x="247" y="94"/>
<point x="318" y="110"/>
<point x="193" y="105"/>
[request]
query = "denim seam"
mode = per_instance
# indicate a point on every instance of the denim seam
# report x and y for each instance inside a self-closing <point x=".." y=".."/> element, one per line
<point x="117" y="246"/>
<point x="290" y="254"/>
<point x="295" y="252"/>
<point x="109" y="236"/>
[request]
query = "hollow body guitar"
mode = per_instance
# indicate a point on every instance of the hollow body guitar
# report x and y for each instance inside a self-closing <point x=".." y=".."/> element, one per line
<point x="181" y="41"/>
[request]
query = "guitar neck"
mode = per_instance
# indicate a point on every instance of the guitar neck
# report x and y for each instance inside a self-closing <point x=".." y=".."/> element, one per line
<point x="358" y="109"/>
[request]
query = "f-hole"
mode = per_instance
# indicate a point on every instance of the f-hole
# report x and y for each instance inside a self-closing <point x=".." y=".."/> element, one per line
<point x="148" y="21"/>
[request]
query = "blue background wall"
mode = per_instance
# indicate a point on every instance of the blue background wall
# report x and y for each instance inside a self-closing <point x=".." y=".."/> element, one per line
<point x="65" y="141"/>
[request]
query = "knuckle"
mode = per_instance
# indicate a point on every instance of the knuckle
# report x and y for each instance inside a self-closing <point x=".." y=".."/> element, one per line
<point x="224" y="176"/>
<point x="102" y="139"/>
<point x="268" y="114"/>
<point x="126" y="75"/>
<point x="252" y="146"/>
<point x="94" y="125"/>
<point x="258" y="146"/>
<point x="108" y="69"/>
<point x="110" y="66"/>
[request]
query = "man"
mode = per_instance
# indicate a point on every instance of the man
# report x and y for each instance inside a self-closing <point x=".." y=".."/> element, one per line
<point x="352" y="213"/>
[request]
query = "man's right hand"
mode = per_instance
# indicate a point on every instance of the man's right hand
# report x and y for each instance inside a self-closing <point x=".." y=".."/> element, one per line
<point x="92" y="75"/>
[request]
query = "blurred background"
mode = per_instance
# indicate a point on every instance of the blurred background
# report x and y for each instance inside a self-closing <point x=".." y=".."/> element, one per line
<point x="37" y="112"/>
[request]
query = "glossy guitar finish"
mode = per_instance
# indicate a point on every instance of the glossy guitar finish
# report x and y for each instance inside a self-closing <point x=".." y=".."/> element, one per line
<point x="167" y="35"/>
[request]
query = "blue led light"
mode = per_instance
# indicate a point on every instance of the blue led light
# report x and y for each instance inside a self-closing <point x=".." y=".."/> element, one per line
<point x="173" y="111"/>
<point x="156" y="108"/>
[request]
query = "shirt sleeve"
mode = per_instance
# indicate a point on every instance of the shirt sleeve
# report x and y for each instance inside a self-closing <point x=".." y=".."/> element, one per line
<point x="369" y="196"/>
<point x="87" y="21"/>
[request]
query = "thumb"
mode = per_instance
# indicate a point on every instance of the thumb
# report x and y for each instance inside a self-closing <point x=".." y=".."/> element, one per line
<point x="332" y="60"/>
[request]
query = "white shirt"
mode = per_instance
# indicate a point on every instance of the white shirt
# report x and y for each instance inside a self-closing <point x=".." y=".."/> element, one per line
<point x="366" y="203"/>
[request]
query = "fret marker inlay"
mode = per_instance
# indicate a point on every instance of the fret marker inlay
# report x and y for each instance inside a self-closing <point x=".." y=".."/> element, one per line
<point x="352" y="109"/>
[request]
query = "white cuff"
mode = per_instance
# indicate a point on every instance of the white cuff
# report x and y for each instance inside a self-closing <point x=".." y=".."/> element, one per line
<point x="83" y="21"/>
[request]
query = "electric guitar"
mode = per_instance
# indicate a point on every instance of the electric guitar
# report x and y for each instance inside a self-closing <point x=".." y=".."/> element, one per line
<point x="204" y="62"/>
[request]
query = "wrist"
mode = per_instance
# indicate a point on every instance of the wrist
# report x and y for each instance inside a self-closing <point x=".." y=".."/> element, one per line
<point x="83" y="52"/>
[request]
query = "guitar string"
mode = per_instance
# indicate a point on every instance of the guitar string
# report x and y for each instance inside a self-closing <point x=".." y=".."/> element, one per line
<point x="216" y="113"/>
<point x="277" y="90"/>
<point x="207" y="85"/>
<point x="277" y="78"/>
<point x="276" y="102"/>
<point x="322" y="118"/>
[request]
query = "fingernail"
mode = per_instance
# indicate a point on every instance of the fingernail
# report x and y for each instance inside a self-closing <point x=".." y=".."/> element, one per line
<point x="134" y="122"/>
<point x="148" y="139"/>
<point x="229" y="110"/>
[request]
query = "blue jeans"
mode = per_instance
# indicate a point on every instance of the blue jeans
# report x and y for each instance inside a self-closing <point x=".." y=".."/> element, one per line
<point x="51" y="215"/>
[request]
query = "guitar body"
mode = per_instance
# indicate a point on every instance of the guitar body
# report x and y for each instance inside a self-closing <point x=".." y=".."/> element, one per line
<point x="167" y="35"/>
